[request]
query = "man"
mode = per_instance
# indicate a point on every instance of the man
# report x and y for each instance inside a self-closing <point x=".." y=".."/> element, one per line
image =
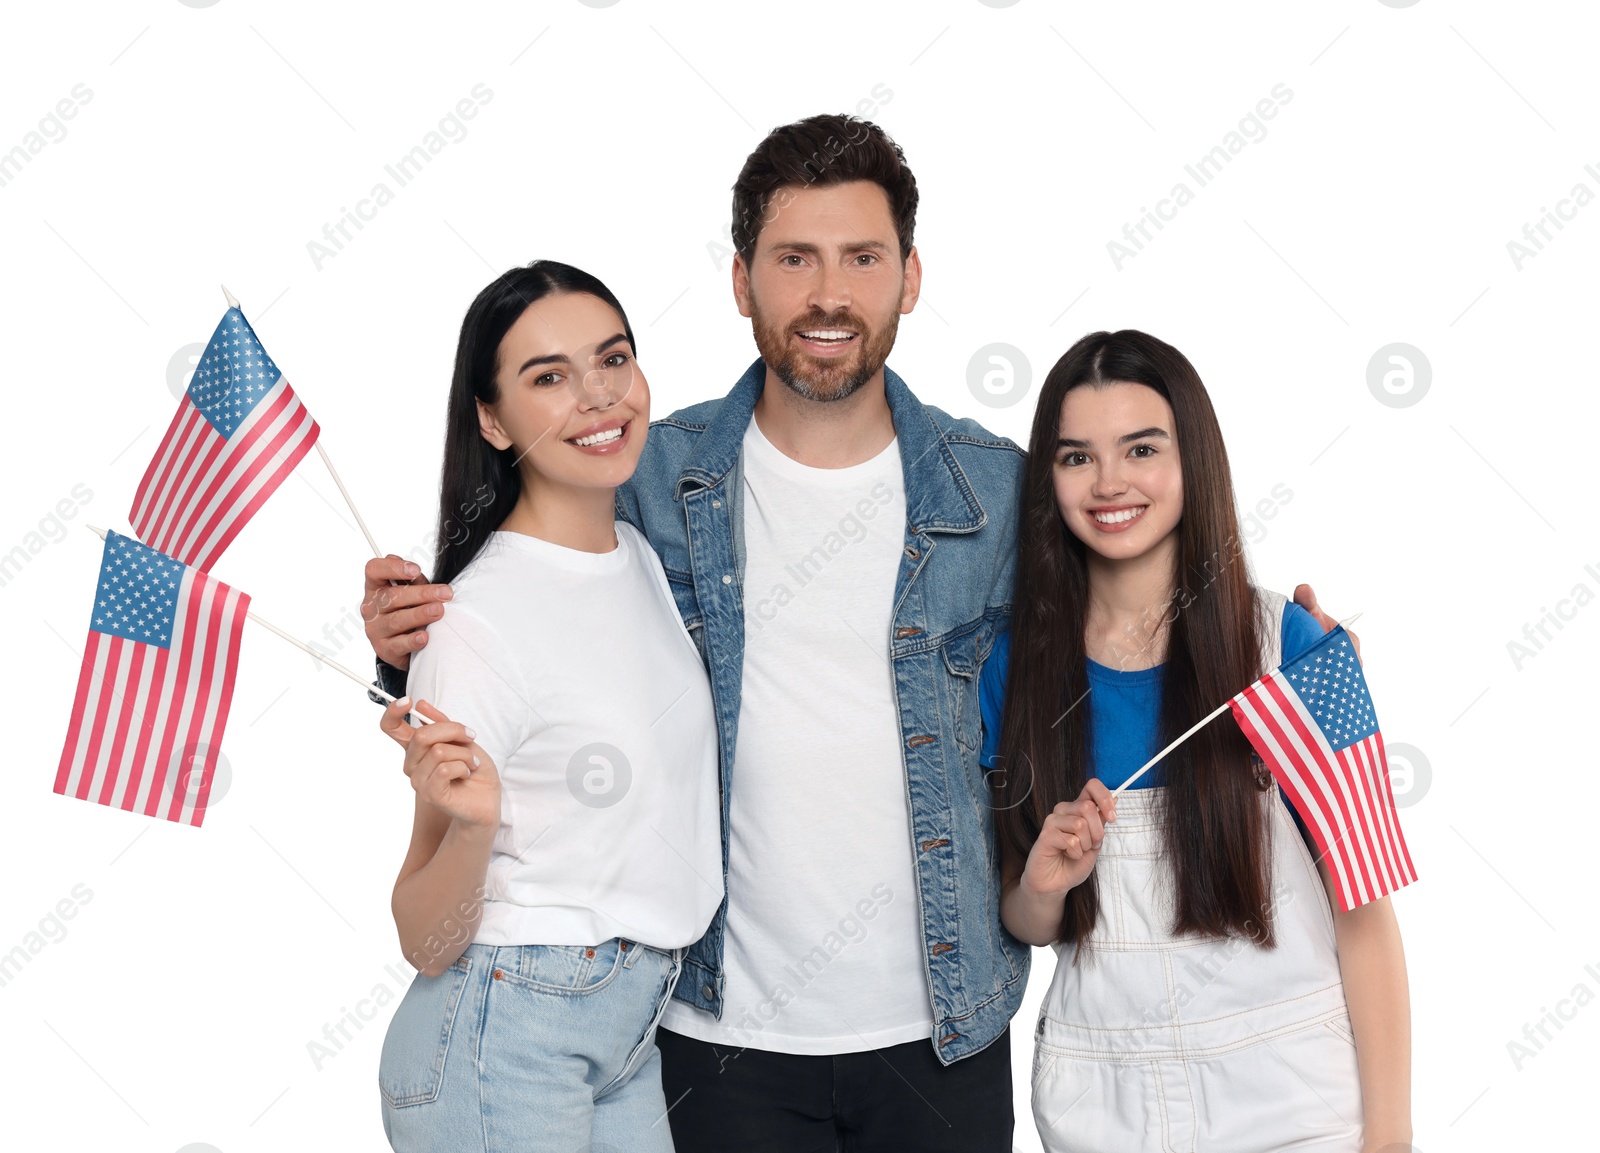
<point x="843" y="557"/>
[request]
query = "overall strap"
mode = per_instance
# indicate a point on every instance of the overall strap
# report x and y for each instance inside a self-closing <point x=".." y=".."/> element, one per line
<point x="1269" y="607"/>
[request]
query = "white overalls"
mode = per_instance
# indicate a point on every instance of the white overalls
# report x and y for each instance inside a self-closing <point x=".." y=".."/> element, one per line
<point x="1200" y="1045"/>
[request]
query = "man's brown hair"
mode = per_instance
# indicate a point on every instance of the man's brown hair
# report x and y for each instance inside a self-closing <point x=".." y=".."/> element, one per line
<point x="814" y="152"/>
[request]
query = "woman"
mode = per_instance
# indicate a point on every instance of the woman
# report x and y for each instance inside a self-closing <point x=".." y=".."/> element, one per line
<point x="1209" y="992"/>
<point x="566" y="847"/>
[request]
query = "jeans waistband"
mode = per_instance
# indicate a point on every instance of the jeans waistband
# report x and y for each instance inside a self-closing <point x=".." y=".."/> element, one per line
<point x="676" y="954"/>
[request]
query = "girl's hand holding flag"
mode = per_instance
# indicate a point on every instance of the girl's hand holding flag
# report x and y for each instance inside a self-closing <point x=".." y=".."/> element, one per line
<point x="1069" y="841"/>
<point x="448" y="770"/>
<point x="1062" y="857"/>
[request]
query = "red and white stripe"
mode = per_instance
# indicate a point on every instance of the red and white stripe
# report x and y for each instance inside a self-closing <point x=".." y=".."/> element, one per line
<point x="141" y="711"/>
<point x="201" y="489"/>
<point x="1345" y="798"/>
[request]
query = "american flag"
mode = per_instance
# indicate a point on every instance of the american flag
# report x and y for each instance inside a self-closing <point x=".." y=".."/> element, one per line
<point x="238" y="432"/>
<point x="1311" y="721"/>
<point x="154" y="689"/>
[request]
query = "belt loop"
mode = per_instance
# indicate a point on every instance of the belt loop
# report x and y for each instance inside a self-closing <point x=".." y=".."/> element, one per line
<point x="629" y="947"/>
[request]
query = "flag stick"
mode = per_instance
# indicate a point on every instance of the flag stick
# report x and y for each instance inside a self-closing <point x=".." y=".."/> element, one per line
<point x="329" y="661"/>
<point x="323" y="453"/>
<point x="1193" y="729"/>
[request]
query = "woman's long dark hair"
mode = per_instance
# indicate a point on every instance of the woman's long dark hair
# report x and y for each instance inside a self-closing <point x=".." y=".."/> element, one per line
<point x="479" y="484"/>
<point x="1215" y="830"/>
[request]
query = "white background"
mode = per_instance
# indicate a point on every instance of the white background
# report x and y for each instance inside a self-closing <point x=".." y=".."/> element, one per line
<point x="176" y="1010"/>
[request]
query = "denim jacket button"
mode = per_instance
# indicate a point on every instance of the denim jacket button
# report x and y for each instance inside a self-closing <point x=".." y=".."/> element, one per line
<point x="711" y="994"/>
<point x="716" y="504"/>
<point x="726" y="579"/>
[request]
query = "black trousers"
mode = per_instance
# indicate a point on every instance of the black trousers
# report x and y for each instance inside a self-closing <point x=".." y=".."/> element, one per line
<point x="889" y="1100"/>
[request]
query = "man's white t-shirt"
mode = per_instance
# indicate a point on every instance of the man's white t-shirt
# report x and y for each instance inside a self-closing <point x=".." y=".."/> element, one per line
<point x="824" y="945"/>
<point x="576" y="673"/>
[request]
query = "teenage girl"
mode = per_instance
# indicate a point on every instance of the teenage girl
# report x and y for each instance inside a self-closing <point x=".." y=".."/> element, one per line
<point x="1209" y="993"/>
<point x="566" y="846"/>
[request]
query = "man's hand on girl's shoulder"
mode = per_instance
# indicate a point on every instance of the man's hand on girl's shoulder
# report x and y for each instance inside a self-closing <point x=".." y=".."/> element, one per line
<point x="1307" y="599"/>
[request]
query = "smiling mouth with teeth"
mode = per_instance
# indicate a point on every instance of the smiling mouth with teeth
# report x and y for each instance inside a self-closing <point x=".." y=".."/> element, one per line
<point x="828" y="335"/>
<point x="605" y="437"/>
<point x="1120" y="516"/>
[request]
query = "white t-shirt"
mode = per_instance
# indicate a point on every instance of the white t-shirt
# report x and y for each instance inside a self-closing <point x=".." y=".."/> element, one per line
<point x="576" y="673"/>
<point x="824" y="946"/>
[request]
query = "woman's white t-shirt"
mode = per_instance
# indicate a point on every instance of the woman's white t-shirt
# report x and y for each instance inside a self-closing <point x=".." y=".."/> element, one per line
<point x="579" y="679"/>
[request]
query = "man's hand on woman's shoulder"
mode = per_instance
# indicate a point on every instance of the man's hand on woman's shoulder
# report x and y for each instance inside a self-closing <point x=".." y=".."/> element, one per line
<point x="398" y="606"/>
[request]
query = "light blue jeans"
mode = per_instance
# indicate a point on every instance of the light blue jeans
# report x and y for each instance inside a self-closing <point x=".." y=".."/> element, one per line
<point x="531" y="1048"/>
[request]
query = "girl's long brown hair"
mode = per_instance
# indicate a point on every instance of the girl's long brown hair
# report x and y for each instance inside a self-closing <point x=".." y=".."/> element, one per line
<point x="1215" y="828"/>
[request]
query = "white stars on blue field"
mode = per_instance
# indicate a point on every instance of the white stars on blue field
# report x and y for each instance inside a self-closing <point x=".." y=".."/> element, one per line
<point x="1327" y="677"/>
<point x="138" y="592"/>
<point x="233" y="375"/>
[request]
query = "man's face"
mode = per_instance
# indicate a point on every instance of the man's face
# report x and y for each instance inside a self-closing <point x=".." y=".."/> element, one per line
<point x="825" y="287"/>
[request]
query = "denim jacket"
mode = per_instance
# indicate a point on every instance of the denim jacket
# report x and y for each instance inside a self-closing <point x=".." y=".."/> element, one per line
<point x="952" y="598"/>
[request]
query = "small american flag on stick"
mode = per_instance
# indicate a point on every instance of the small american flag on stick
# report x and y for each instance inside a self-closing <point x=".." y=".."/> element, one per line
<point x="155" y="685"/>
<point x="1311" y="721"/>
<point x="238" y="433"/>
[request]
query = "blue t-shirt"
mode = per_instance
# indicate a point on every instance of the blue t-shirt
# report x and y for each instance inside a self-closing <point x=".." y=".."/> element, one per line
<point x="1124" y="708"/>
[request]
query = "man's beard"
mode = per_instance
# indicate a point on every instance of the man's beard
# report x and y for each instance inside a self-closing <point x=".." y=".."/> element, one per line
<point x="813" y="377"/>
